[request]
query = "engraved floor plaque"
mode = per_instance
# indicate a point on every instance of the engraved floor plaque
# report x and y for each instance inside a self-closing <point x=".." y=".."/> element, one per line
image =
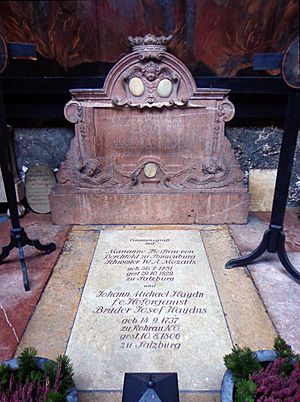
<point x="149" y="305"/>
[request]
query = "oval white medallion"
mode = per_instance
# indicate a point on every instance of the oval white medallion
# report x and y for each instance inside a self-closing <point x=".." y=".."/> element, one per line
<point x="165" y="88"/>
<point x="150" y="170"/>
<point x="136" y="86"/>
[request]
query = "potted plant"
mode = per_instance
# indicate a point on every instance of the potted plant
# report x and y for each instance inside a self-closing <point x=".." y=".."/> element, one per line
<point x="262" y="376"/>
<point x="29" y="378"/>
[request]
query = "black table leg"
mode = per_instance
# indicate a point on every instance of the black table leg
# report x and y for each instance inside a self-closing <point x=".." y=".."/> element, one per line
<point x="18" y="236"/>
<point x="274" y="238"/>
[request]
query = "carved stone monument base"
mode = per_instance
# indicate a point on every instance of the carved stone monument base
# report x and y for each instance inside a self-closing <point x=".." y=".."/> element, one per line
<point x="149" y="148"/>
<point x="175" y="208"/>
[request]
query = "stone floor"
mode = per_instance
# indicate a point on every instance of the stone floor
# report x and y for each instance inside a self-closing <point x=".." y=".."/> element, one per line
<point x="258" y="301"/>
<point x="16" y="305"/>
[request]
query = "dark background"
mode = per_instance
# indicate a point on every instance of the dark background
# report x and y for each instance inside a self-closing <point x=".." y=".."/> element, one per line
<point x="79" y="41"/>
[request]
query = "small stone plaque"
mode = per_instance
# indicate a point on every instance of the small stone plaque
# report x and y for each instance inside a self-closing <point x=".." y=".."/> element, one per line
<point x="149" y="305"/>
<point x="39" y="181"/>
<point x="261" y="189"/>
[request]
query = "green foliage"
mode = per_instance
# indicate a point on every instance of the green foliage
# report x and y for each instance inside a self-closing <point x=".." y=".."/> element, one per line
<point x="244" y="391"/>
<point x="66" y="372"/>
<point x="49" y="385"/>
<point x="254" y="381"/>
<point x="36" y="375"/>
<point x="5" y="373"/>
<point x="26" y="361"/>
<point x="242" y="362"/>
<point x="282" y="348"/>
<point x="55" y="397"/>
<point x="50" y="371"/>
<point x="60" y="372"/>
<point x="285" y="351"/>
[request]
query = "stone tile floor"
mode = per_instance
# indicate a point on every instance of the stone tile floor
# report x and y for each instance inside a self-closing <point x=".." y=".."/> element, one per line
<point x="278" y="291"/>
<point x="257" y="302"/>
<point x="16" y="305"/>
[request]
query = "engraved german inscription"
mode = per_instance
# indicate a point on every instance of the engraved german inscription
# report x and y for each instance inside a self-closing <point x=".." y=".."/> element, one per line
<point x="149" y="304"/>
<point x="150" y="314"/>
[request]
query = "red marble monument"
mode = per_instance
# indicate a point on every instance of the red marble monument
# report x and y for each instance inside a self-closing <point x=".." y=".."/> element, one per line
<point x="149" y="148"/>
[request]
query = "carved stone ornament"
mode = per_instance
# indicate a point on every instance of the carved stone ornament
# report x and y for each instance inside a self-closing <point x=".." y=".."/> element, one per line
<point x="143" y="42"/>
<point x="150" y="76"/>
<point x="149" y="147"/>
<point x="73" y="111"/>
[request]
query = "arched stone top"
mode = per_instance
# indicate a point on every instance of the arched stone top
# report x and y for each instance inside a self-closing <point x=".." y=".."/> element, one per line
<point x="149" y="76"/>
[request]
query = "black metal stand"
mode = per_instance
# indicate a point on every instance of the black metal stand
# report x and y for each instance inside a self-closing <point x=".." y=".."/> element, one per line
<point x="274" y="238"/>
<point x="18" y="237"/>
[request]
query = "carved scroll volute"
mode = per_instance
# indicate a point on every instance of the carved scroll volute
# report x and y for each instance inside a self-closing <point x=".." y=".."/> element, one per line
<point x="73" y="111"/>
<point x="226" y="110"/>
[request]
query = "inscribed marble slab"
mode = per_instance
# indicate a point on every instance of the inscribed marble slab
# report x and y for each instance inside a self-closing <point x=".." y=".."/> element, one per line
<point x="149" y="304"/>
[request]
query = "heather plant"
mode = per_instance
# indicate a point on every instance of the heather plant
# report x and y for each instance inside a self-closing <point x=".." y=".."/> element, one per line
<point x="272" y="384"/>
<point x="276" y="381"/>
<point x="30" y="384"/>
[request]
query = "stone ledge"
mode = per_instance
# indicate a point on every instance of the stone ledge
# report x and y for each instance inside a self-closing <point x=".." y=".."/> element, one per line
<point x="91" y="208"/>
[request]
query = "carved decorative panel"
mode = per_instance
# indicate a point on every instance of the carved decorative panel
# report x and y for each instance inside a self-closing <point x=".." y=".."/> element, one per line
<point x="148" y="136"/>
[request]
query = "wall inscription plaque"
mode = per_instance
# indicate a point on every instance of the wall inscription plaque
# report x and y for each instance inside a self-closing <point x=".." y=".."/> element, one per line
<point x="149" y="304"/>
<point x="39" y="181"/>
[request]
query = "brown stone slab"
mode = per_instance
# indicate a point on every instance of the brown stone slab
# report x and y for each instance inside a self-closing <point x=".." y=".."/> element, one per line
<point x="100" y="396"/>
<point x="92" y="208"/>
<point x="146" y="227"/>
<point x="18" y="304"/>
<point x="49" y="327"/>
<point x="245" y="312"/>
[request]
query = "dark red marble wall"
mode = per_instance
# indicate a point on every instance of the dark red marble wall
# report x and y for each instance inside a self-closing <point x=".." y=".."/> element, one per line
<point x="220" y="35"/>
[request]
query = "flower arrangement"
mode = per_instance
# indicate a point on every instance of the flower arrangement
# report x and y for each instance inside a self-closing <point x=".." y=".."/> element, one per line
<point x="28" y="382"/>
<point x="273" y="381"/>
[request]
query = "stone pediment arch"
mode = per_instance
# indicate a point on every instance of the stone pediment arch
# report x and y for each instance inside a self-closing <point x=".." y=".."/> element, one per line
<point x="149" y="76"/>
